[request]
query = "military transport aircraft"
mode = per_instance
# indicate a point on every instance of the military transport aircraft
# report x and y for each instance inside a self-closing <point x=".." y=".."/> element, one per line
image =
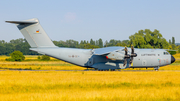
<point x="108" y="58"/>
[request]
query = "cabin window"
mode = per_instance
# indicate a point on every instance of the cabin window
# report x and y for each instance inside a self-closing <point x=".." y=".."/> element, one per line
<point x="166" y="53"/>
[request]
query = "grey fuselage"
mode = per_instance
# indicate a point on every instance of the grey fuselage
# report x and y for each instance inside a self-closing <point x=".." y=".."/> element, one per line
<point x="87" y="57"/>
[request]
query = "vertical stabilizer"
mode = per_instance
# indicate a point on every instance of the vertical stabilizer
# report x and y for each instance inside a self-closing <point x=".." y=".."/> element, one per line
<point x="34" y="33"/>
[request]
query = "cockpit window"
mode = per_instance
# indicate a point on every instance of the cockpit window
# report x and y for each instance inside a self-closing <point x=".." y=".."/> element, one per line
<point x="166" y="53"/>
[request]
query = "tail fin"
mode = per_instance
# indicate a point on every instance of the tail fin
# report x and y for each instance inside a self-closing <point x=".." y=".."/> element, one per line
<point x="34" y="33"/>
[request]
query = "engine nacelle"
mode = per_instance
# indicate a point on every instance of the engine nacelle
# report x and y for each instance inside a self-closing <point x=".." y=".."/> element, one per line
<point x="115" y="56"/>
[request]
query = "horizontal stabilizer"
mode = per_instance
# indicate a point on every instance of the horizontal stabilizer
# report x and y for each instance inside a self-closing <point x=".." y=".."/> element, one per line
<point x="22" y="22"/>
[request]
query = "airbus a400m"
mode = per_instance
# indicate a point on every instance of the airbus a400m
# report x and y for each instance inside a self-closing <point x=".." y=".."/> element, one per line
<point x="108" y="58"/>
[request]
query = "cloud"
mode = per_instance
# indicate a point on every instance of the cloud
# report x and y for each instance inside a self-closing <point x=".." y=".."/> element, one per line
<point x="70" y="17"/>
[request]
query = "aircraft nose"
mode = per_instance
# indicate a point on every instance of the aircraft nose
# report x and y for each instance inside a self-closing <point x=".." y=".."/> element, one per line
<point x="172" y="59"/>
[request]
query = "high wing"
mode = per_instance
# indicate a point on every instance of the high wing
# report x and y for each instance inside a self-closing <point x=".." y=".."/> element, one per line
<point x="117" y="53"/>
<point x="107" y="50"/>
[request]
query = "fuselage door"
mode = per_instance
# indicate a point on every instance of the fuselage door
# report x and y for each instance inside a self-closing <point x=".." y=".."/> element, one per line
<point x="90" y="62"/>
<point x="144" y="62"/>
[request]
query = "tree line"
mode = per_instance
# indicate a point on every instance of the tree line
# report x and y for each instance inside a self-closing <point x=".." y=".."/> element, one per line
<point x="141" y="39"/>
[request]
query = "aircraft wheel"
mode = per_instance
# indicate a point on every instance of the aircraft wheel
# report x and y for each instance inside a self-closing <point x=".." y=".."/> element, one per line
<point x="156" y="69"/>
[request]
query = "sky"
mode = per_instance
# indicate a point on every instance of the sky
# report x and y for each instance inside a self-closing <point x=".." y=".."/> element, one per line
<point x="86" y="19"/>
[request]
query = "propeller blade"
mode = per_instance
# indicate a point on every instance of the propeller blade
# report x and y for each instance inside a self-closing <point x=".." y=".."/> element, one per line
<point x="131" y="60"/>
<point x="126" y="56"/>
<point x="126" y="50"/>
<point x="132" y="49"/>
<point x="125" y="61"/>
<point x="132" y="53"/>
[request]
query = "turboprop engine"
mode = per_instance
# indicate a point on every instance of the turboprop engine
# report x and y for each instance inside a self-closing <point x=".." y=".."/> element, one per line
<point x="115" y="56"/>
<point x="122" y="55"/>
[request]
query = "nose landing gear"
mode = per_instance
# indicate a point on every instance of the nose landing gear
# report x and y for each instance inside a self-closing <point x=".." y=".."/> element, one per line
<point x="156" y="68"/>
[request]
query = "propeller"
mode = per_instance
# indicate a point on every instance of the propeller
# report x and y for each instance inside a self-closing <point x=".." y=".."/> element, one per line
<point x="127" y="56"/>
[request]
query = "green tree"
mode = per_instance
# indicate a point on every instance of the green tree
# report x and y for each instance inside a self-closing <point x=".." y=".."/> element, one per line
<point x="106" y="43"/>
<point x="16" y="56"/>
<point x="148" y="39"/>
<point x="2" y="50"/>
<point x="125" y="43"/>
<point x="137" y="41"/>
<point x="173" y="40"/>
<point x="112" y="42"/>
<point x="173" y="46"/>
<point x="45" y="57"/>
<point x="85" y="42"/>
<point x="170" y="42"/>
<point x="164" y="44"/>
<point x="97" y="43"/>
<point x="89" y="46"/>
<point x="38" y="57"/>
<point x="100" y="43"/>
<point x="9" y="48"/>
<point x="92" y="42"/>
<point x="17" y="41"/>
<point x="178" y="47"/>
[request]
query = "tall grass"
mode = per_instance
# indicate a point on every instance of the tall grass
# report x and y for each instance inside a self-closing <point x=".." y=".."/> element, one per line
<point x="32" y="63"/>
<point x="85" y="85"/>
<point x="90" y="85"/>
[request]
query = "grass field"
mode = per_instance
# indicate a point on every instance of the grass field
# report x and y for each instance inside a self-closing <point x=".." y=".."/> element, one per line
<point x="89" y="85"/>
<point x="32" y="63"/>
<point x="85" y="85"/>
